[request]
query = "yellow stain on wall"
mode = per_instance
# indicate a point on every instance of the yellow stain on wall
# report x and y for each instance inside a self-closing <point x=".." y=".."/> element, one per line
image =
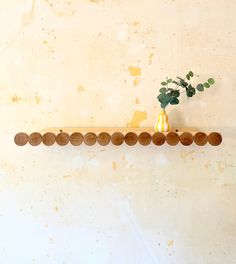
<point x="114" y="166"/>
<point x="136" y="81"/>
<point x="95" y="1"/>
<point x="170" y="243"/>
<point x="150" y="58"/>
<point x="80" y="88"/>
<point x="16" y="99"/>
<point x="37" y="99"/>
<point x="138" y="117"/>
<point x="134" y="71"/>
<point x="136" y="23"/>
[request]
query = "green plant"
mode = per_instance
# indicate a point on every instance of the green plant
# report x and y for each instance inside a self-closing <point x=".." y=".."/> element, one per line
<point x="170" y="95"/>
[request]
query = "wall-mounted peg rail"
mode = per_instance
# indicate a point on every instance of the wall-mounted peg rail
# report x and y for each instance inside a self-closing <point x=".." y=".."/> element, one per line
<point x="129" y="136"/>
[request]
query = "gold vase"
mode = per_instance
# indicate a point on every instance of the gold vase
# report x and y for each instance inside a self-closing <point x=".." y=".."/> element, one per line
<point x="162" y="124"/>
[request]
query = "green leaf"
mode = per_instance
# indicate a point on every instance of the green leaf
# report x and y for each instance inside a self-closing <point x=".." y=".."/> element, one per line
<point x="175" y="82"/>
<point x="176" y="93"/>
<point x="183" y="83"/>
<point x="200" y="87"/>
<point x="169" y="80"/>
<point x="160" y="97"/>
<point x="190" y="74"/>
<point x="162" y="90"/>
<point x="206" y="85"/>
<point x="163" y="83"/>
<point x="163" y="105"/>
<point x="174" y="101"/>
<point x="190" y="91"/>
<point x="211" y="81"/>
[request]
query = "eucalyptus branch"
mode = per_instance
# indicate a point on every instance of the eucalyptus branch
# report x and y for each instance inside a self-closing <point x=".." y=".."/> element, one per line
<point x="170" y="95"/>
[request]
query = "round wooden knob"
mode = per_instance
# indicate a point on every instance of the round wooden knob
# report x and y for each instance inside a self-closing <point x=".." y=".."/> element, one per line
<point x="158" y="138"/>
<point x="104" y="138"/>
<point x="21" y="139"/>
<point x="172" y="138"/>
<point x="215" y="139"/>
<point x="186" y="138"/>
<point x="76" y="139"/>
<point x="90" y="138"/>
<point x="200" y="139"/>
<point x="35" y="139"/>
<point x="144" y="138"/>
<point x="49" y="139"/>
<point x="131" y="139"/>
<point x="117" y="138"/>
<point x="62" y="139"/>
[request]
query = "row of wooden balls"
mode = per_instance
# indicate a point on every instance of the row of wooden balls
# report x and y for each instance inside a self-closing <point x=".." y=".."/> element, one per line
<point x="118" y="138"/>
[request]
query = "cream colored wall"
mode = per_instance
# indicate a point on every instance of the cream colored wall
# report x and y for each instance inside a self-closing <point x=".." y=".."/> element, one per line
<point x="99" y="63"/>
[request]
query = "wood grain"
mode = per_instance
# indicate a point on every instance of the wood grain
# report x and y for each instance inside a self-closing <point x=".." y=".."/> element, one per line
<point x="21" y="139"/>
<point x="76" y="139"/>
<point x="172" y="138"/>
<point x="131" y="139"/>
<point x="104" y="138"/>
<point x="144" y="138"/>
<point x="117" y="138"/>
<point x="48" y="139"/>
<point x="158" y="138"/>
<point x="62" y="139"/>
<point x="215" y="138"/>
<point x="90" y="138"/>
<point x="186" y="138"/>
<point x="200" y="139"/>
<point x="35" y="139"/>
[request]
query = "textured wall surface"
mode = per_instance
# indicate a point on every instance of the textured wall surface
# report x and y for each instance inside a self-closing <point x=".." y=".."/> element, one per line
<point x="100" y="63"/>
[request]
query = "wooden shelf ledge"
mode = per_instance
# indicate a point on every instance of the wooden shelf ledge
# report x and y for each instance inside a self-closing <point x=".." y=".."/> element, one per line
<point x="117" y="136"/>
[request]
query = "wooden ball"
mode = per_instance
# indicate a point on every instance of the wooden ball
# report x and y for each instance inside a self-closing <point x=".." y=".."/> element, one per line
<point x="172" y="138"/>
<point x="90" y="138"/>
<point x="35" y="139"/>
<point x="215" y="139"/>
<point x="117" y="138"/>
<point x="21" y="139"/>
<point x="48" y="139"/>
<point x="62" y="139"/>
<point x="131" y="139"/>
<point x="76" y="139"/>
<point x="104" y="139"/>
<point x="186" y="138"/>
<point x="158" y="138"/>
<point x="144" y="138"/>
<point x="200" y="139"/>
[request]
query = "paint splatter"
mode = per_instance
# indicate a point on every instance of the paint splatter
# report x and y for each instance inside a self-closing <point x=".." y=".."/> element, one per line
<point x="16" y="99"/>
<point x="37" y="99"/>
<point x="134" y="71"/>
<point x="114" y="166"/>
<point x="67" y="176"/>
<point x="136" y="81"/>
<point x="29" y="16"/>
<point x="150" y="58"/>
<point x="136" y="23"/>
<point x="96" y="1"/>
<point x="80" y="88"/>
<point x="170" y="243"/>
<point x="138" y="117"/>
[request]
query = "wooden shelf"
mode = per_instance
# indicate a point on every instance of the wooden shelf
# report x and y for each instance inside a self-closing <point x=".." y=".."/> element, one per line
<point x="117" y="136"/>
